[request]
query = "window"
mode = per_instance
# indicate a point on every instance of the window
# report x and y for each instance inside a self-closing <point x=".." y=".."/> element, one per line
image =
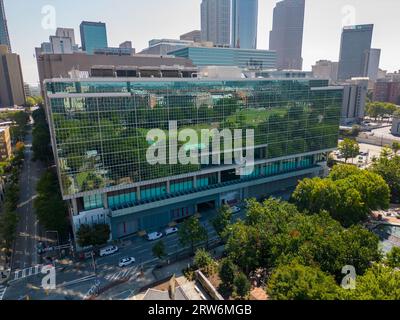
<point x="93" y="202"/>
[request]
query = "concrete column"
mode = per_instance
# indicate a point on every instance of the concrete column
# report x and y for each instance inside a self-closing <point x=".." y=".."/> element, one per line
<point x="195" y="182"/>
<point x="74" y="207"/>
<point x="168" y="186"/>
<point x="138" y="193"/>
<point x="219" y="176"/>
<point x="105" y="201"/>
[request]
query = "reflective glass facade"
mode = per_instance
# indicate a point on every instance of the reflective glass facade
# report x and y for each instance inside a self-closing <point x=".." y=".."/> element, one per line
<point x="4" y="36"/>
<point x="243" y="58"/>
<point x="244" y="23"/>
<point x="93" y="36"/>
<point x="99" y="128"/>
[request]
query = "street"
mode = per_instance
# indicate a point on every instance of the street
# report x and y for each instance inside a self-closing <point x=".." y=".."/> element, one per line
<point x="74" y="280"/>
<point x="24" y="254"/>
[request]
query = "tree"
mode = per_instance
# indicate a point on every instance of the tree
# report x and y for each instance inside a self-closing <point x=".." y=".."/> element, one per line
<point x="348" y="194"/>
<point x="299" y="282"/>
<point x="349" y="148"/>
<point x="227" y="272"/>
<point x="49" y="205"/>
<point x="41" y="137"/>
<point x="223" y="219"/>
<point x="396" y="147"/>
<point x="30" y="102"/>
<point x="386" y="152"/>
<point x="8" y="225"/>
<point x="393" y="258"/>
<point x="276" y="233"/>
<point x="20" y="146"/>
<point x="192" y="232"/>
<point x="389" y="170"/>
<point x="380" y="109"/>
<point x="204" y="261"/>
<point x="96" y="235"/>
<point x="242" y="285"/>
<point x="378" y="283"/>
<point x="159" y="250"/>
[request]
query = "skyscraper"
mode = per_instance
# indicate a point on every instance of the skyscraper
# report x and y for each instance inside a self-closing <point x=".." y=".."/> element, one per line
<point x="11" y="81"/>
<point x="244" y="23"/>
<point x="355" y="45"/>
<point x="93" y="36"/>
<point x="371" y="70"/>
<point x="216" y="21"/>
<point x="4" y="36"/>
<point x="286" y="37"/>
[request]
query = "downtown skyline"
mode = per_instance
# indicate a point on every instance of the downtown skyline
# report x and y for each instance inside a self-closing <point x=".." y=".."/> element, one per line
<point x="321" y="26"/>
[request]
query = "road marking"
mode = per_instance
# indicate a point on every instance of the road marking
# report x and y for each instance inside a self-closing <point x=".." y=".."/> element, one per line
<point x="123" y="274"/>
<point x="2" y="292"/>
<point x="27" y="272"/>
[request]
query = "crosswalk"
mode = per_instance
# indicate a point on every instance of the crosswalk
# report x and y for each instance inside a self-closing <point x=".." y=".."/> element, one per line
<point x="124" y="274"/>
<point x="27" y="272"/>
<point x="2" y="292"/>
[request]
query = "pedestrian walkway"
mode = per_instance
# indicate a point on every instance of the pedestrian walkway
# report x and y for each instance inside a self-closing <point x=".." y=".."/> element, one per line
<point x="124" y="274"/>
<point x="2" y="292"/>
<point x="27" y="272"/>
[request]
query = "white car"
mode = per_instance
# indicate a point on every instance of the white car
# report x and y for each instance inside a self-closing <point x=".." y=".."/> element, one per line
<point x="171" y="231"/>
<point x="235" y="209"/>
<point x="154" y="236"/>
<point x="124" y="262"/>
<point x="108" y="250"/>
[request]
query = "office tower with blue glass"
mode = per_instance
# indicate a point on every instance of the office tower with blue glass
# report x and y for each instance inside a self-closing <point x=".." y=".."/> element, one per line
<point x="234" y="57"/>
<point x="244" y="24"/>
<point x="99" y="130"/>
<point x="216" y="21"/>
<point x="93" y="36"/>
<point x="354" y="49"/>
<point x="286" y="37"/>
<point x="4" y="36"/>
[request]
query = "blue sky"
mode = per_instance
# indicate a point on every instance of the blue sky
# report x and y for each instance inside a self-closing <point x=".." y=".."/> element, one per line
<point x="142" y="20"/>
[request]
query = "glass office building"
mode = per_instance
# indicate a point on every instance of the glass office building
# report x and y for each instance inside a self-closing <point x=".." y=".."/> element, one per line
<point x="244" y="24"/>
<point x="354" y="49"/>
<point x="93" y="36"/>
<point x="4" y="36"/>
<point x="99" y="132"/>
<point x="243" y="58"/>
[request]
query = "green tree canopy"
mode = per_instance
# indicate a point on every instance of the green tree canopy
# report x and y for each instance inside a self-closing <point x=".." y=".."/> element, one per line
<point x="389" y="170"/>
<point x="95" y="235"/>
<point x="159" y="250"/>
<point x="298" y="282"/>
<point x="349" y="148"/>
<point x="242" y="285"/>
<point x="348" y="194"/>
<point x="192" y="232"/>
<point x="275" y="233"/>
<point x="49" y="205"/>
<point x="378" y="283"/>
<point x="223" y="219"/>
<point x="393" y="258"/>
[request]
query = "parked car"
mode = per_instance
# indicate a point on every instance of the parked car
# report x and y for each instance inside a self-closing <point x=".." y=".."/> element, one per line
<point x="235" y="209"/>
<point x="154" y="236"/>
<point x="108" y="251"/>
<point x="172" y="230"/>
<point x="124" y="262"/>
